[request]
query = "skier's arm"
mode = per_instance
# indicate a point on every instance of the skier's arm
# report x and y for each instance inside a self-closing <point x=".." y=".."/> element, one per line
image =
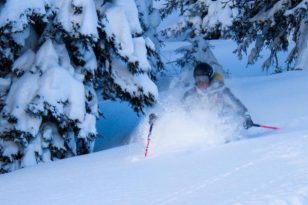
<point x="234" y="102"/>
<point x="239" y="108"/>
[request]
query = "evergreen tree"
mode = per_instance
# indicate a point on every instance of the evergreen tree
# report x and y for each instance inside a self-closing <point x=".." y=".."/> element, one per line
<point x="150" y="20"/>
<point x="273" y="24"/>
<point x="54" y="57"/>
<point x="199" y="22"/>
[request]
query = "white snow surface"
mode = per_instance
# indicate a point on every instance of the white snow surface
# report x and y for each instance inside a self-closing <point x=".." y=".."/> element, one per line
<point x="133" y="83"/>
<point x="140" y="53"/>
<point x="225" y="17"/>
<point x="24" y="62"/>
<point x="263" y="167"/>
<point x="124" y="42"/>
<point x="69" y="20"/>
<point x="302" y="60"/>
<point x="131" y="13"/>
<point x="21" y="9"/>
<point x="54" y="84"/>
<point x="21" y="94"/>
<point x="129" y="47"/>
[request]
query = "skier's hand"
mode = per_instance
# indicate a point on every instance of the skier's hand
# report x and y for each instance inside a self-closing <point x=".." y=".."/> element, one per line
<point x="152" y="118"/>
<point x="248" y="123"/>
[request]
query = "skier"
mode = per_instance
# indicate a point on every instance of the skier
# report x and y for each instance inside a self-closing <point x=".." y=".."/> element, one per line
<point x="209" y="86"/>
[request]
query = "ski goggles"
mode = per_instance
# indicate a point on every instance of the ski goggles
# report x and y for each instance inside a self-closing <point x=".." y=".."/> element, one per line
<point x="202" y="78"/>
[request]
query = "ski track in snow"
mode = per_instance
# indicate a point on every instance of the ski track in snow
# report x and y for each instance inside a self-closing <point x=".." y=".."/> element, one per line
<point x="295" y="193"/>
<point x="197" y="187"/>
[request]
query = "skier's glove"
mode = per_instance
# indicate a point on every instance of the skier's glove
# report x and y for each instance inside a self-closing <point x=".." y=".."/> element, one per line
<point x="248" y="123"/>
<point x="152" y="118"/>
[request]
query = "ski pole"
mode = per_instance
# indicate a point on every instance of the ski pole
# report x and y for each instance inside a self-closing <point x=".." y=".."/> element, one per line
<point x="152" y="118"/>
<point x="266" y="126"/>
<point x="148" y="141"/>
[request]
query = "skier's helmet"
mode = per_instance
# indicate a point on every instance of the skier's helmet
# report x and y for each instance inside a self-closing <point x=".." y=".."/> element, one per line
<point x="203" y="69"/>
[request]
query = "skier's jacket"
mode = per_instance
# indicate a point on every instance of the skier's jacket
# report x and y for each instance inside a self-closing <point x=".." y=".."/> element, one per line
<point x="217" y="96"/>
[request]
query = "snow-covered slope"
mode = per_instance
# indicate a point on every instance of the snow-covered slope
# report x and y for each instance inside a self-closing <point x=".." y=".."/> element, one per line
<point x="268" y="167"/>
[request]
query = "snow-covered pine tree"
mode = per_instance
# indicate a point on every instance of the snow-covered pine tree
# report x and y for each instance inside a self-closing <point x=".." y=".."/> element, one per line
<point x="54" y="57"/>
<point x="200" y="21"/>
<point x="273" y="24"/>
<point x="150" y="20"/>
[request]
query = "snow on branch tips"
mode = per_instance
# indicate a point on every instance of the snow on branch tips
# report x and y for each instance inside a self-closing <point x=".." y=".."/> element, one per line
<point x="55" y="57"/>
